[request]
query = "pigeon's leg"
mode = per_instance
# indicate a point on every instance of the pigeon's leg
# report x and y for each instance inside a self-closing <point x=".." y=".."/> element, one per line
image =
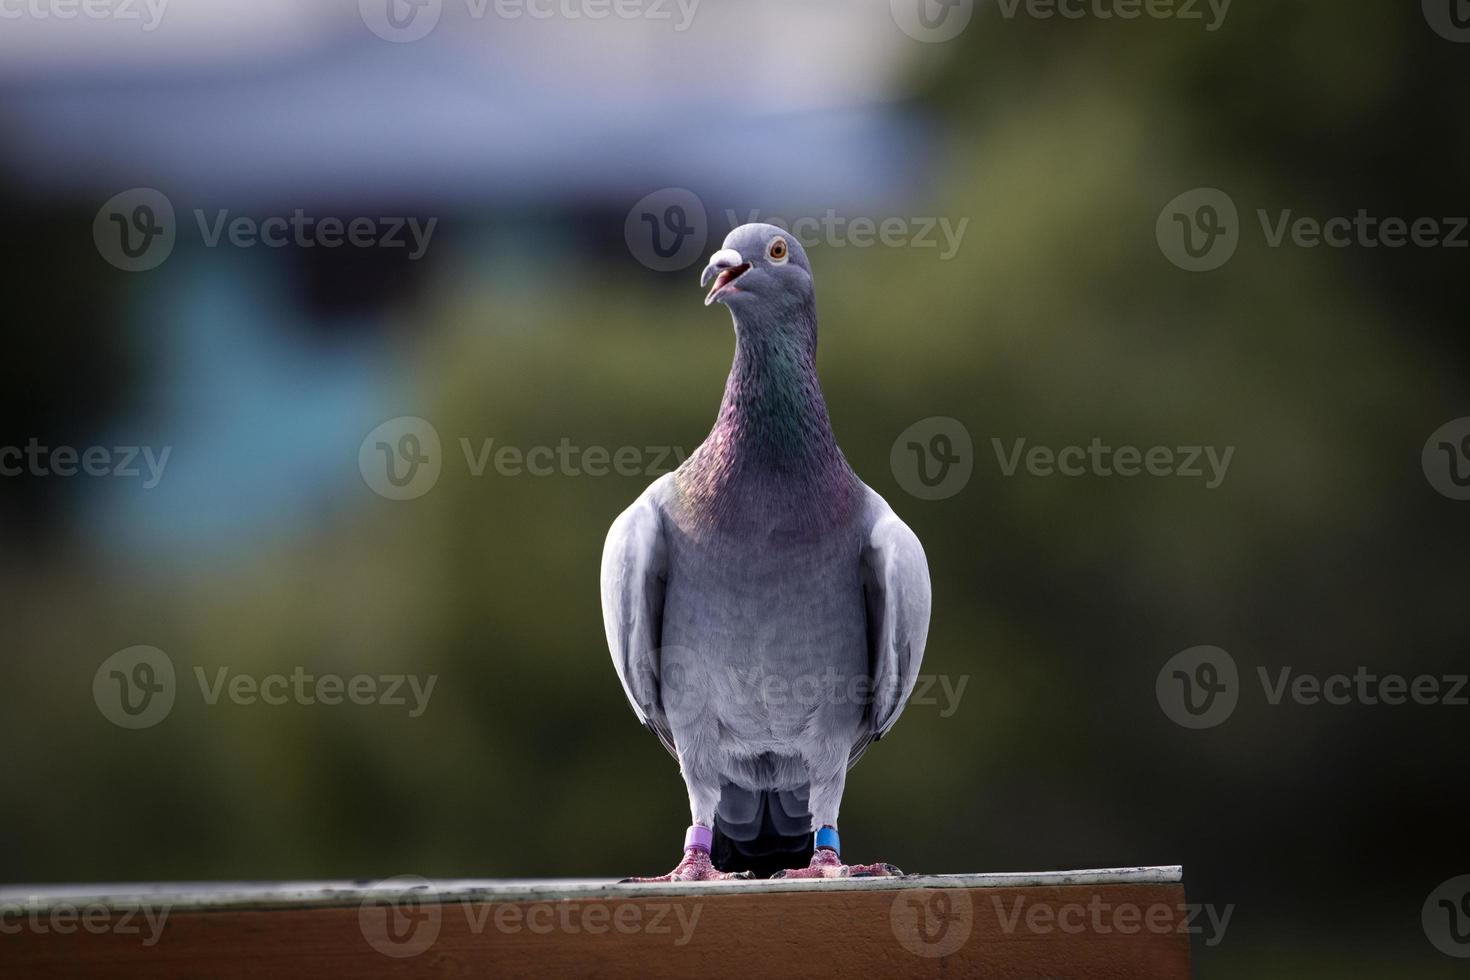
<point x="826" y="798"/>
<point x="704" y="796"/>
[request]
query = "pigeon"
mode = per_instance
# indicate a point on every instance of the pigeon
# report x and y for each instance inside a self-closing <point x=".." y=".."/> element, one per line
<point x="766" y="610"/>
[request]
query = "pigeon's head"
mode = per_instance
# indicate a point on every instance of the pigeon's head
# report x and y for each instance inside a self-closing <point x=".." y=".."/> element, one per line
<point x="759" y="268"/>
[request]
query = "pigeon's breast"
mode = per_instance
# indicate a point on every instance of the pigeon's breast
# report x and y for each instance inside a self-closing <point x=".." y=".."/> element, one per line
<point x="772" y="626"/>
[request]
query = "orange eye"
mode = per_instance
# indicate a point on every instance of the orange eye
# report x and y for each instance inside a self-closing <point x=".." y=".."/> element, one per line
<point x="777" y="250"/>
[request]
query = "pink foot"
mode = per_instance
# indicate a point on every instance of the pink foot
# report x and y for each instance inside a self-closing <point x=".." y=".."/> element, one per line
<point x="696" y="866"/>
<point x="826" y="864"/>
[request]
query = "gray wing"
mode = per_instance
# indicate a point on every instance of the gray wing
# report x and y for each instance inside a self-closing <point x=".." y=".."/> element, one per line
<point x="634" y="572"/>
<point x="896" y="593"/>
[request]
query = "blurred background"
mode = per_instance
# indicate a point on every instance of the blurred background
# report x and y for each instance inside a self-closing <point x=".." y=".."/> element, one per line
<point x="536" y="316"/>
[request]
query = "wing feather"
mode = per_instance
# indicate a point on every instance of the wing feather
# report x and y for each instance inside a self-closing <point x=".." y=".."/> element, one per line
<point x="634" y="575"/>
<point x="897" y="596"/>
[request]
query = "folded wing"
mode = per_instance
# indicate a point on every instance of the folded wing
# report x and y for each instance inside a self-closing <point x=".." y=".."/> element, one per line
<point x="634" y="575"/>
<point x="896" y="593"/>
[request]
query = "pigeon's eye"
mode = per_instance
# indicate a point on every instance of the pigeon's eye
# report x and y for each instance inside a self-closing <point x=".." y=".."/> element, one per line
<point x="777" y="250"/>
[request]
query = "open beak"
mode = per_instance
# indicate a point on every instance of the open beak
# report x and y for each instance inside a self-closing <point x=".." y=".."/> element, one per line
<point x="725" y="266"/>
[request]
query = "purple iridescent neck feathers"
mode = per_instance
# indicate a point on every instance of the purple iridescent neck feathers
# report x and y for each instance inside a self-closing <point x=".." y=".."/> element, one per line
<point x="771" y="459"/>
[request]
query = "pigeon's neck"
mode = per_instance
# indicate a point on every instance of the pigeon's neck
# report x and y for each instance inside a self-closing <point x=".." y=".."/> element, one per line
<point x="772" y="446"/>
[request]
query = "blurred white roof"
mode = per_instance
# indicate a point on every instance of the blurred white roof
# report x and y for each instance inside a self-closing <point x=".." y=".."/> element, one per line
<point x="266" y="99"/>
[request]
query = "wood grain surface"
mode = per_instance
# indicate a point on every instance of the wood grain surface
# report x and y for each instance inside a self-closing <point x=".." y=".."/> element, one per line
<point x="1111" y="931"/>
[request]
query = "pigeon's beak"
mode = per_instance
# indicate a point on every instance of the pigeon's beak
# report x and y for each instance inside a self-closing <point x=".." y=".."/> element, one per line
<point x="725" y="266"/>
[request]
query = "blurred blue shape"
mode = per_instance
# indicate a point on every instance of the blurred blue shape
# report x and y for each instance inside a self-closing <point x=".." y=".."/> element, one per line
<point x="264" y="426"/>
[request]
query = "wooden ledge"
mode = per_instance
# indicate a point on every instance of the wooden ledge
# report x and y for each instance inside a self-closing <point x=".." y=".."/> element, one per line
<point x="1119" y="922"/>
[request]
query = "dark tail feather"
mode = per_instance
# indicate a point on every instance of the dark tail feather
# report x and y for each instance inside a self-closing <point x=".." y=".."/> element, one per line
<point x="762" y="831"/>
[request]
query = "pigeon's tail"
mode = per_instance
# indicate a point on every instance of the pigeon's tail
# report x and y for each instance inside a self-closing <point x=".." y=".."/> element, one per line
<point x="761" y="831"/>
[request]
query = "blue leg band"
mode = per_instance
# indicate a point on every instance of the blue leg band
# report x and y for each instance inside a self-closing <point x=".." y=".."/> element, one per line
<point x="827" y="837"/>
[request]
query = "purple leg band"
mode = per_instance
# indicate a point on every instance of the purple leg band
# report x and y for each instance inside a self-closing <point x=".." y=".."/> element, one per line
<point x="698" y="838"/>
